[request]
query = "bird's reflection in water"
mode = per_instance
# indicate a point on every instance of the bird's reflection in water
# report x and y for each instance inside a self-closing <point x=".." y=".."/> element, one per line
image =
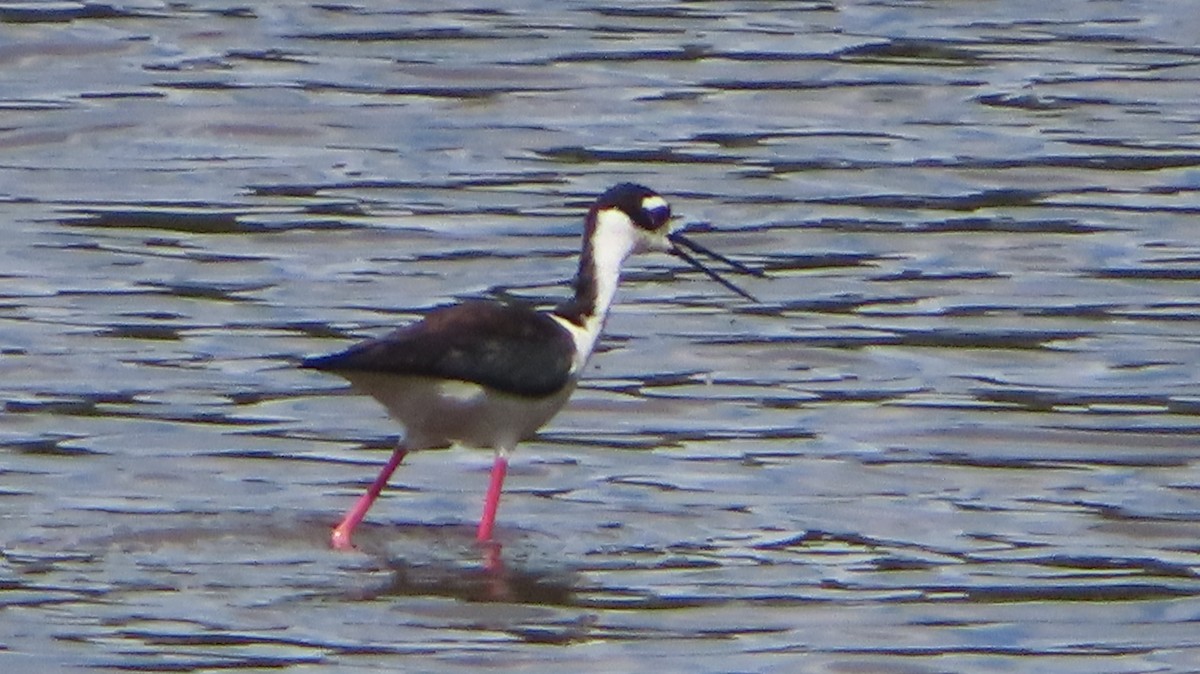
<point x="393" y="560"/>
<point x="457" y="567"/>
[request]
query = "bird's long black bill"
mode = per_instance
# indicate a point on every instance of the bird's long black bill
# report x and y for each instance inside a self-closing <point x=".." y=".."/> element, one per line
<point x="680" y="239"/>
<point x="682" y="242"/>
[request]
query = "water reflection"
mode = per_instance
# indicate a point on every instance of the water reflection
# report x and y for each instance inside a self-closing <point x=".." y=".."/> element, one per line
<point x="491" y="580"/>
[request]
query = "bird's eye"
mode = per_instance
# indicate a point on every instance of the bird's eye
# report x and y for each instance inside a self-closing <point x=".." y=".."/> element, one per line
<point x="657" y="209"/>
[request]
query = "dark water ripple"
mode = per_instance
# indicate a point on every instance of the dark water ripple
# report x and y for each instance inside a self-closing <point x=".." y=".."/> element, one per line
<point x="959" y="432"/>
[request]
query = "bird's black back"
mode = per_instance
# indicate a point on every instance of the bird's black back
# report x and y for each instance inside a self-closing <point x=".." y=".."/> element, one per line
<point x="506" y="347"/>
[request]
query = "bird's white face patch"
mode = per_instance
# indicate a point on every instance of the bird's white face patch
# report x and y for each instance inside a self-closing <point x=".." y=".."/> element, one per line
<point x="654" y="203"/>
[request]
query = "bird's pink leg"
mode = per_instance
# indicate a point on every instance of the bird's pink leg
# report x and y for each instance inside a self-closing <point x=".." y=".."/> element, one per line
<point x="492" y="501"/>
<point x="341" y="533"/>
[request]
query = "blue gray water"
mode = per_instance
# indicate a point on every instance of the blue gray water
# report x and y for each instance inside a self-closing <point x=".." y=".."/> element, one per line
<point x="959" y="433"/>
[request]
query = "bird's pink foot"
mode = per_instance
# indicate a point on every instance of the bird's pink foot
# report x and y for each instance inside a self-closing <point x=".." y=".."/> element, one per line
<point x="492" y="562"/>
<point x="340" y="540"/>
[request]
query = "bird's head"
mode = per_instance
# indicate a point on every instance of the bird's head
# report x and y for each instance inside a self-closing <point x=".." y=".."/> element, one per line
<point x="630" y="218"/>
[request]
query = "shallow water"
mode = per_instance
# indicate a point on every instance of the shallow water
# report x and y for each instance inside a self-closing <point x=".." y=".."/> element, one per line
<point x="958" y="433"/>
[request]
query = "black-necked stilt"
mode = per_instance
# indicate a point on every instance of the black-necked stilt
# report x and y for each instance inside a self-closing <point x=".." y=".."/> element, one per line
<point x="489" y="374"/>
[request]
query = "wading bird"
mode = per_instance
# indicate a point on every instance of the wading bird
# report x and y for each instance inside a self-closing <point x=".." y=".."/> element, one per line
<point x="489" y="374"/>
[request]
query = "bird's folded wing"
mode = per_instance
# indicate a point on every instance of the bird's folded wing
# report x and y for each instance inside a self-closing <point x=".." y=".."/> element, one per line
<point x="507" y="347"/>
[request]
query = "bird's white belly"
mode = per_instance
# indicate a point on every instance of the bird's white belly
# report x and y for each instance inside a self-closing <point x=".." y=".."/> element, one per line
<point x="440" y="412"/>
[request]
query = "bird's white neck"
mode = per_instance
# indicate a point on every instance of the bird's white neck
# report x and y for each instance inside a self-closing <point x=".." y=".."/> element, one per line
<point x="609" y="239"/>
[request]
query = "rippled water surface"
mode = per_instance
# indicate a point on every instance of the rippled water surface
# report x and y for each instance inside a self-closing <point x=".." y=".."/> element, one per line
<point x="958" y="433"/>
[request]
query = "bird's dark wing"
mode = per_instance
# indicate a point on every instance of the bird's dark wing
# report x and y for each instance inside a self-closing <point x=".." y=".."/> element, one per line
<point x="506" y="347"/>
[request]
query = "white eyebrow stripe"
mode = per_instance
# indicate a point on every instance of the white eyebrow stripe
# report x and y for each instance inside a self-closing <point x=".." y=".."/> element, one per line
<point x="653" y="203"/>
